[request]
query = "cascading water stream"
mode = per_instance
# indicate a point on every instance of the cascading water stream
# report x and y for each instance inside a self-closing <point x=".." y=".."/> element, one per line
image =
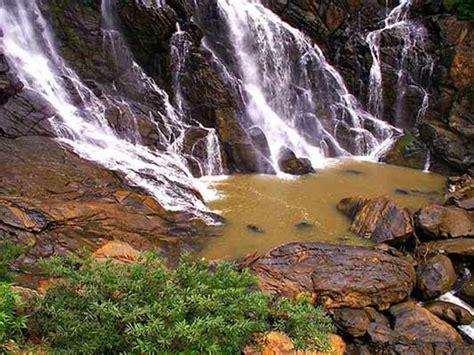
<point x="291" y="92"/>
<point x="181" y="45"/>
<point x="414" y="67"/>
<point x="175" y="121"/>
<point x="28" y="44"/>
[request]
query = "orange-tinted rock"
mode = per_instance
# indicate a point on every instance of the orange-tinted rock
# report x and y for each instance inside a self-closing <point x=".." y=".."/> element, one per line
<point x="450" y="312"/>
<point x="336" y="276"/>
<point x="379" y="219"/>
<point x="439" y="222"/>
<point x="118" y="251"/>
<point x="58" y="203"/>
<point x="418" y="324"/>
<point x="462" y="69"/>
<point x="436" y="276"/>
<point x="277" y="343"/>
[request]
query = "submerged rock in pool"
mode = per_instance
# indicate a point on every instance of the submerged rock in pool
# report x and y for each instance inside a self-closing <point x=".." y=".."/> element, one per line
<point x="337" y="276"/>
<point x="255" y="229"/>
<point x="379" y="219"/>
<point x="304" y="226"/>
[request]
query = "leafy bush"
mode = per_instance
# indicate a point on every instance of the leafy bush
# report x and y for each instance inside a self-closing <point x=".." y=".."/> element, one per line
<point x="147" y="308"/>
<point x="303" y="322"/>
<point x="11" y="324"/>
<point x="464" y="8"/>
<point x="8" y="253"/>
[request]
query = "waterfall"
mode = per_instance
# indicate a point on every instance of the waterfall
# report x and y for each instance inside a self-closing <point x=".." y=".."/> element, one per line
<point x="28" y="44"/>
<point x="211" y="163"/>
<point x="290" y="91"/>
<point x="414" y="67"/>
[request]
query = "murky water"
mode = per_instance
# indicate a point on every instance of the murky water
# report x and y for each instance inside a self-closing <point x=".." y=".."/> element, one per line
<point x="266" y="211"/>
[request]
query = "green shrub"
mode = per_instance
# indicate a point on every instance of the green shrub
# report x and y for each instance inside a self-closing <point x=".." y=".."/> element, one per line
<point x="303" y="322"/>
<point x="147" y="308"/>
<point x="11" y="324"/>
<point x="463" y="8"/>
<point x="8" y="253"/>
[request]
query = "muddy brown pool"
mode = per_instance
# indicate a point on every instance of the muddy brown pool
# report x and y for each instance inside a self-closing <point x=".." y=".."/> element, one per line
<point x="265" y="211"/>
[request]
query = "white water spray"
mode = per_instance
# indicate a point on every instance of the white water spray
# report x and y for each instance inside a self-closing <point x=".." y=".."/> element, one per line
<point x="414" y="67"/>
<point x="29" y="46"/>
<point x="292" y="93"/>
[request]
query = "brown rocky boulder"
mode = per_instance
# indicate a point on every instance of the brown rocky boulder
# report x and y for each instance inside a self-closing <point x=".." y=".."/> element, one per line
<point x="418" y="324"/>
<point x="117" y="251"/>
<point x="56" y="203"/>
<point x="356" y="322"/>
<point x="336" y="276"/>
<point x="436" y="276"/>
<point x="439" y="222"/>
<point x="450" y="312"/>
<point x="378" y="219"/>
<point x="461" y="247"/>
<point x="408" y="151"/>
<point x="289" y="163"/>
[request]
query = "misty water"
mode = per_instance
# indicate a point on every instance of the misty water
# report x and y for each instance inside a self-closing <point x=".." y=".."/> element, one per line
<point x="304" y="209"/>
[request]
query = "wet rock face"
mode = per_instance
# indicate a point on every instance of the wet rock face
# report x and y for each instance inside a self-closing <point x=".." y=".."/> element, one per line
<point x="439" y="222"/>
<point x="336" y="276"/>
<point x="56" y="203"/>
<point x="378" y="219"/>
<point x="436" y="276"/>
<point x="408" y="151"/>
<point x="450" y="313"/>
<point x="418" y="324"/>
<point x="290" y="164"/>
<point x="358" y="322"/>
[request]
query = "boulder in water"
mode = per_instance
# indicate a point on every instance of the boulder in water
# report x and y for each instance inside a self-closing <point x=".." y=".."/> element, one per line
<point x="436" y="276"/>
<point x="337" y="276"/>
<point x="378" y="219"/>
<point x="290" y="164"/>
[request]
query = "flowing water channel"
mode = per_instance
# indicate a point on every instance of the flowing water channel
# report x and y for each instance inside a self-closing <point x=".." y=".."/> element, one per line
<point x="264" y="211"/>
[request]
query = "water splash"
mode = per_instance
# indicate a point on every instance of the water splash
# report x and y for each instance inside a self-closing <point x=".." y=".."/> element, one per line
<point x="29" y="46"/>
<point x="291" y="92"/>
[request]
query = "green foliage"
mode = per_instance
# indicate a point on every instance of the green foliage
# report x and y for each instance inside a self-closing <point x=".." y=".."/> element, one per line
<point x="304" y="323"/>
<point x="464" y="8"/>
<point x="11" y="324"/>
<point x="8" y="253"/>
<point x="104" y="308"/>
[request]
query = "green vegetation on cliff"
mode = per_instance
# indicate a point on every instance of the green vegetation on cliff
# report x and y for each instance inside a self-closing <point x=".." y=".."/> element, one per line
<point x="145" y="307"/>
<point x="11" y="324"/>
<point x="464" y="8"/>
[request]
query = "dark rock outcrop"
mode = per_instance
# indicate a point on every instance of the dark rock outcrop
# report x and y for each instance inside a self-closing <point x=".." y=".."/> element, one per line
<point x="438" y="222"/>
<point x="451" y="313"/>
<point x="289" y="163"/>
<point x="436" y="276"/>
<point x="408" y="151"/>
<point x="462" y="247"/>
<point x="418" y="324"/>
<point x="358" y="322"/>
<point x="56" y="203"/>
<point x="336" y="276"/>
<point x="378" y="219"/>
